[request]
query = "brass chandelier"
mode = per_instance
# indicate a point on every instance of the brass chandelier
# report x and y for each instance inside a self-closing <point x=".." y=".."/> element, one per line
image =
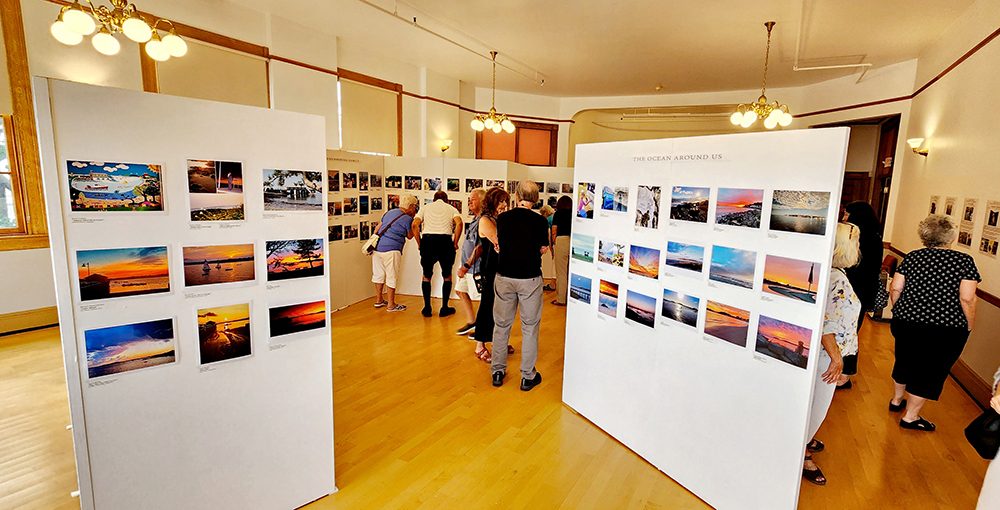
<point x="774" y="114"/>
<point x="73" y="23"/>
<point x="492" y="120"/>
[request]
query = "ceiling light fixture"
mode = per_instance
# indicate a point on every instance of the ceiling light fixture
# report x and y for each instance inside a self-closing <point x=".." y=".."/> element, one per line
<point x="73" y="23"/>
<point x="774" y="114"/>
<point x="492" y="120"/>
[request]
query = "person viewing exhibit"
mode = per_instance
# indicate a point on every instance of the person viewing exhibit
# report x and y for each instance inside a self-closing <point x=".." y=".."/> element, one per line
<point x="561" y="224"/>
<point x="466" y="288"/>
<point x="494" y="204"/>
<point x="393" y="230"/>
<point x="437" y="228"/>
<point x="864" y="277"/>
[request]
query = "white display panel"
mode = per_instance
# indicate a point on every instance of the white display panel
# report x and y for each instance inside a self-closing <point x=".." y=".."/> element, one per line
<point x="724" y="420"/>
<point x="224" y="421"/>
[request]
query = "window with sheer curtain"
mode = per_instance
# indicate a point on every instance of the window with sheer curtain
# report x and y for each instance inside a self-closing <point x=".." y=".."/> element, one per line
<point x="369" y="118"/>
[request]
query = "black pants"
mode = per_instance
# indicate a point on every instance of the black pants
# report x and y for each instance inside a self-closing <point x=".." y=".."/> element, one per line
<point x="851" y="360"/>
<point x="924" y="355"/>
<point x="437" y="249"/>
<point x="484" y="316"/>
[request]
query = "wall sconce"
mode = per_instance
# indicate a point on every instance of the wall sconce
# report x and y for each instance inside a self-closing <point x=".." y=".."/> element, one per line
<point x="918" y="146"/>
<point x="445" y="145"/>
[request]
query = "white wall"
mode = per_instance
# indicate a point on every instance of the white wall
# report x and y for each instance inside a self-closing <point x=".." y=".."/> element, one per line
<point x="26" y="280"/>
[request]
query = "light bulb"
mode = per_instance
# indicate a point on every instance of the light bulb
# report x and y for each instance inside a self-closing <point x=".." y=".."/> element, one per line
<point x="105" y="43"/>
<point x="496" y="128"/>
<point x="79" y="21"/>
<point x="477" y="124"/>
<point x="770" y="122"/>
<point x="157" y="50"/>
<point x="775" y="114"/>
<point x="749" y="118"/>
<point x="736" y="118"/>
<point x="136" y="29"/>
<point x="175" y="45"/>
<point x="507" y="126"/>
<point x="785" y="120"/>
<point x="63" y="34"/>
<point x="489" y="123"/>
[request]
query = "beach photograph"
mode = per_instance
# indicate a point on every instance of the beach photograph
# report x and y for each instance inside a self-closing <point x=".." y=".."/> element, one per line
<point x="291" y="319"/>
<point x="293" y="190"/>
<point x="689" y="204"/>
<point x="739" y="207"/>
<point x="607" y="301"/>
<point x="350" y="205"/>
<point x="375" y="181"/>
<point x="471" y="184"/>
<point x="412" y="182"/>
<point x="585" y="200"/>
<point x="362" y="181"/>
<point x="580" y="288"/>
<point x="783" y="341"/>
<point x="121" y="187"/>
<point x="128" y="347"/>
<point x="727" y="323"/>
<point x="363" y="204"/>
<point x="803" y="212"/>
<point x="122" y="272"/>
<point x="610" y="252"/>
<point x="494" y="183"/>
<point x="567" y="188"/>
<point x="394" y="181"/>
<point x="644" y="261"/>
<point x="552" y="187"/>
<point x="208" y="265"/>
<point x="453" y="184"/>
<point x="224" y="333"/>
<point x="289" y="259"/>
<point x="647" y="207"/>
<point x="690" y="257"/>
<point x="350" y="232"/>
<point x="335" y="232"/>
<point x="432" y="184"/>
<point x="332" y="181"/>
<point x="376" y="204"/>
<point x="582" y="248"/>
<point x="350" y="180"/>
<point x="680" y="307"/>
<point x="614" y="199"/>
<point x="640" y="308"/>
<point x="733" y="266"/>
<point x="791" y="278"/>
<point x="215" y="189"/>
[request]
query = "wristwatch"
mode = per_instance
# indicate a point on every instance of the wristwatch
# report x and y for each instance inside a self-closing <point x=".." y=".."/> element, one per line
<point x="467" y="266"/>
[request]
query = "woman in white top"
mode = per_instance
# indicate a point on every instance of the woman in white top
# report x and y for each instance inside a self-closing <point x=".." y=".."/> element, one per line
<point x="989" y="496"/>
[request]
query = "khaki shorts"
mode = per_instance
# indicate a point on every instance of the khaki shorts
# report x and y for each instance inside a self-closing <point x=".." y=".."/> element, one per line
<point x="385" y="265"/>
<point x="467" y="285"/>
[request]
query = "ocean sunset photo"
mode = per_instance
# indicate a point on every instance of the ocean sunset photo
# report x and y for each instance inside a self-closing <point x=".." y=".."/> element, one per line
<point x="733" y="266"/>
<point x="727" y="323"/>
<point x="791" y="278"/>
<point x="300" y="258"/>
<point x="206" y="265"/>
<point x="680" y="307"/>
<point x="607" y="301"/>
<point x="739" y="207"/>
<point x="783" y="341"/>
<point x="644" y="261"/>
<point x="641" y="309"/>
<point x="118" y="349"/>
<point x="224" y="333"/>
<point x="215" y="189"/>
<point x="286" y="320"/>
<point x="121" y="272"/>
<point x="689" y="204"/>
<point x="690" y="257"/>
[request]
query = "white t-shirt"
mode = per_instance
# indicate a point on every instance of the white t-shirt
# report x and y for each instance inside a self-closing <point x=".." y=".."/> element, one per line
<point x="438" y="218"/>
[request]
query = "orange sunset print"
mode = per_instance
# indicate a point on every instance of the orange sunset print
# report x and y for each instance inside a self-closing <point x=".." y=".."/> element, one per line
<point x="120" y="272"/>
<point x="300" y="258"/>
<point x="286" y="320"/>
<point x="783" y="341"/>
<point x="791" y="278"/>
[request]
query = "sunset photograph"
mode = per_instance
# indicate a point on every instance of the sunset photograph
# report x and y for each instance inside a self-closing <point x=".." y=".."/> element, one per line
<point x="206" y="265"/>
<point x="215" y="189"/>
<point x="286" y="320"/>
<point x="727" y="323"/>
<point x="791" y="278"/>
<point x="644" y="261"/>
<point x="679" y="307"/>
<point x="607" y="301"/>
<point x="121" y="272"/>
<point x="690" y="257"/>
<point x="739" y="207"/>
<point x="299" y="258"/>
<point x="224" y="333"/>
<point x="783" y="341"/>
<point x="803" y="212"/>
<point x="118" y="349"/>
<point x="640" y="308"/>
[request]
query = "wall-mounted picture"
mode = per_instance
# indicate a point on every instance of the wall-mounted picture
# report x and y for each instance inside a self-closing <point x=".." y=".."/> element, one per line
<point x="582" y="247"/>
<point x="580" y="288"/>
<point x="215" y="189"/>
<point x="394" y="181"/>
<point x="351" y="232"/>
<point x="585" y="200"/>
<point x="607" y="301"/>
<point x="471" y="184"/>
<point x="512" y="187"/>
<point x="680" y="308"/>
<point x="128" y="347"/>
<point x="412" y="182"/>
<point x="453" y="184"/>
<point x="612" y="253"/>
<point x="376" y="203"/>
<point x="207" y="265"/>
<point x="363" y="204"/>
<point x="331" y="208"/>
<point x="375" y="181"/>
<point x="727" y="323"/>
<point x="644" y="261"/>
<point x="106" y="186"/>
<point x="293" y="190"/>
<point x="364" y="231"/>
<point x="783" y="341"/>
<point x="803" y="212"/>
<point x="338" y="208"/>
<point x="457" y="204"/>
<point x="739" y="207"/>
<point x="291" y="319"/>
<point x="566" y="188"/>
<point x="350" y="180"/>
<point x="689" y="203"/>
<point x="733" y="266"/>
<point x="350" y="205"/>
<point x="640" y="308"/>
<point x="552" y="201"/>
<point x="493" y="183"/>
<point x="393" y="201"/>
<point x="541" y="186"/>
<point x="297" y="258"/>
<point x="335" y="233"/>
<point x="685" y="256"/>
<point x="432" y="184"/>
<point x="791" y="278"/>
<point x="363" y="181"/>
<point x="224" y="333"/>
<point x="122" y="272"/>
<point x="332" y="181"/>
<point x="552" y="187"/>
<point x="614" y="199"/>
<point x="647" y="207"/>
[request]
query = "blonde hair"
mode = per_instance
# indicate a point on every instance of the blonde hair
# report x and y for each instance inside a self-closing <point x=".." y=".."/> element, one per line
<point x="846" y="247"/>
<point x="546" y="210"/>
<point x="937" y="230"/>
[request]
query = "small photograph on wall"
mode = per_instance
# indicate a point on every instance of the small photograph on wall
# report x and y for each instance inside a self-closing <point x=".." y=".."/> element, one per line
<point x="394" y="181"/>
<point x="331" y="208"/>
<point x="512" y="187"/>
<point x="471" y="184"/>
<point x="376" y="204"/>
<point x="119" y="349"/>
<point x="680" y="308"/>
<point x="412" y="182"/>
<point x="332" y="181"/>
<point x="689" y="257"/>
<point x="350" y="180"/>
<point x="644" y="261"/>
<point x="393" y="201"/>
<point x="580" y="288"/>
<point x="291" y="319"/>
<point x="293" y="190"/>
<point x="969" y="213"/>
<point x="614" y="199"/>
<point x="803" y="212"/>
<point x="363" y="204"/>
<point x="566" y="188"/>
<point x="964" y="237"/>
<point x="350" y="205"/>
<point x="120" y="187"/>
<point x="224" y="333"/>
<point x="934" y="204"/>
<point x="457" y="204"/>
<point x="376" y="181"/>
<point x="582" y="248"/>
<point x="432" y="184"/>
<point x="552" y="201"/>
<point x="364" y="231"/>
<point x="783" y="341"/>
<point x="640" y="308"/>
<point x="611" y="253"/>
<point x="727" y="323"/>
<point x="689" y="203"/>
<point x="338" y="208"/>
<point x="991" y="229"/>
<point x="949" y="205"/>
<point x="541" y="186"/>
<point x="739" y="207"/>
<point x="538" y="205"/>
<point x="647" y="207"/>
<point x="335" y="232"/>
<point x="122" y="272"/>
<point x="362" y="181"/>
<point x="585" y="200"/>
<point x="552" y="187"/>
<point x="607" y="301"/>
<point x="351" y="232"/>
<point x="791" y="278"/>
<point x="209" y="265"/>
<point x="296" y="258"/>
<point x="733" y="266"/>
<point x="216" y="190"/>
<point x="493" y="183"/>
<point x="454" y="184"/>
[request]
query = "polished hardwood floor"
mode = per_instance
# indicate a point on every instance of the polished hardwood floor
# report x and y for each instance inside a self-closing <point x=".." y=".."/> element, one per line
<point x="418" y="425"/>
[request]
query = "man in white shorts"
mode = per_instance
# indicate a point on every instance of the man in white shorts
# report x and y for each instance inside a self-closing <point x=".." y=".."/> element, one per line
<point x="393" y="230"/>
<point x="465" y="287"/>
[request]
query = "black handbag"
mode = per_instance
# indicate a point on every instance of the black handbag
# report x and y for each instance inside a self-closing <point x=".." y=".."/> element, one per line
<point x="984" y="434"/>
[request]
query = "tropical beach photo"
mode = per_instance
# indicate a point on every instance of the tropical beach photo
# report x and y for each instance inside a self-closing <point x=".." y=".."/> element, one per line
<point x="680" y="307"/>
<point x="791" y="278"/>
<point x="350" y="180"/>
<point x="207" y="265"/>
<point x="647" y="207"/>
<point x="332" y="181"/>
<point x="585" y="200"/>
<point x="394" y="181"/>
<point x="471" y="184"/>
<point x="293" y="190"/>
<point x="640" y="308"/>
<point x="607" y="301"/>
<point x="685" y="256"/>
<point x="128" y="347"/>
<point x="580" y="288"/>
<point x="727" y="323"/>
<point x="644" y="261"/>
<point x="432" y="184"/>
<point x="122" y="187"/>
<point x="224" y="333"/>
<point x="412" y="182"/>
<point x="610" y="252"/>
<point x="122" y="272"/>
<point x="739" y="207"/>
<point x="803" y="212"/>
<point x="300" y="258"/>
<point x="582" y="247"/>
<point x="733" y="266"/>
<point x="286" y="320"/>
<point x="689" y="204"/>
<point x="614" y="199"/>
<point x="783" y="341"/>
<point x="215" y="189"/>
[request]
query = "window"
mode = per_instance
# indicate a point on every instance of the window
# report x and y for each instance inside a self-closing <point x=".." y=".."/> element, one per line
<point x="10" y="207"/>
<point x="369" y="116"/>
<point x="531" y="144"/>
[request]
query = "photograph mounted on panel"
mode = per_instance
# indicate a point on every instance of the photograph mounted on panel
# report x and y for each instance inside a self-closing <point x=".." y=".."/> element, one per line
<point x="647" y="207"/>
<point x="580" y="288"/>
<point x="331" y="208"/>
<point x="727" y="323"/>
<point x="393" y="201"/>
<point x="120" y="187"/>
<point x="364" y="231"/>
<point x="791" y="278"/>
<point x="512" y="187"/>
<point x="471" y="184"/>
<point x="552" y="187"/>
<point x="293" y="190"/>
<point x="291" y="319"/>
<point x="644" y="261"/>
<point x="394" y="181"/>
<point x="739" y="207"/>
<point x="432" y="184"/>
<point x="215" y="189"/>
<point x="454" y="184"/>
<point x="493" y="183"/>
<point x="207" y="265"/>
<point x="607" y="301"/>
<point x="128" y="347"/>
<point x="122" y="272"/>
<point x="363" y="204"/>
<point x="290" y="259"/>
<point x="412" y="182"/>
<point x="375" y="181"/>
<point x="680" y="308"/>
<point x="611" y="253"/>
<point x="224" y="333"/>
<point x="803" y="212"/>
<point x="350" y="180"/>
<point x="566" y="188"/>
<point x="689" y="204"/>
<point x="335" y="232"/>
<point x="457" y="204"/>
<point x="332" y="181"/>
<point x="582" y="248"/>
<point x="640" y="308"/>
<point x="351" y="232"/>
<point x="685" y="256"/>
<point x="733" y="266"/>
<point x="783" y="341"/>
<point x="585" y="200"/>
<point x="362" y="181"/>
<point x="552" y="201"/>
<point x="338" y="208"/>
<point x="350" y="205"/>
<point x="376" y="204"/>
<point x="614" y="199"/>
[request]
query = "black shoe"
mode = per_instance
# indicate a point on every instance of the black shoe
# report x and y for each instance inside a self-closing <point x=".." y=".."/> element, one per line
<point x="893" y="408"/>
<point x="498" y="378"/>
<point x="426" y="312"/>
<point x="918" y="424"/>
<point x="446" y="311"/>
<point x="846" y="386"/>
<point x="526" y="384"/>
<point x="466" y="329"/>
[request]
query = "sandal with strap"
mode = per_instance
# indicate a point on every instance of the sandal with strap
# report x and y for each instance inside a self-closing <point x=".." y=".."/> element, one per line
<point x="813" y="475"/>
<point x="815" y="446"/>
<point x="918" y="424"/>
<point x="485" y="355"/>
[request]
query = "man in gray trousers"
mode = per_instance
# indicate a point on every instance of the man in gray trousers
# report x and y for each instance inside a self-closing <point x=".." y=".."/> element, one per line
<point x="523" y="237"/>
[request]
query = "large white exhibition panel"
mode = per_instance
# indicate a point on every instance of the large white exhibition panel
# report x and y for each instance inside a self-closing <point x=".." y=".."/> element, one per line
<point x="250" y="432"/>
<point x="727" y="421"/>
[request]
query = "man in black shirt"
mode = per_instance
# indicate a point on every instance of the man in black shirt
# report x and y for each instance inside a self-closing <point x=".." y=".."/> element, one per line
<point x="523" y="237"/>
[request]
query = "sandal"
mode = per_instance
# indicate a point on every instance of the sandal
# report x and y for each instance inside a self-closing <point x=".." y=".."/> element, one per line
<point x="815" y="446"/>
<point x="485" y="355"/>
<point x="918" y="424"/>
<point x="813" y="475"/>
<point x="895" y="408"/>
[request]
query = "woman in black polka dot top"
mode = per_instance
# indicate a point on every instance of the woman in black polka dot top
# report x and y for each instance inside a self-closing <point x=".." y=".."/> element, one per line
<point x="934" y="308"/>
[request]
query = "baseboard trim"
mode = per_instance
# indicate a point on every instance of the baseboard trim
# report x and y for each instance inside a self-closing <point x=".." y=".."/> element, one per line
<point x="980" y="390"/>
<point x="28" y="319"/>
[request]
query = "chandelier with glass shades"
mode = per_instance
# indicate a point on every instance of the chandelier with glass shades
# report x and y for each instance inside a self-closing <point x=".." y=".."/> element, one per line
<point x="774" y="114"/>
<point x="73" y="23"/>
<point x="492" y="120"/>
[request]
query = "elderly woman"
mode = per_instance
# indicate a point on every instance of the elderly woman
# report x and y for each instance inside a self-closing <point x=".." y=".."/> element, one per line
<point x="393" y="231"/>
<point x="933" y="297"/>
<point x="840" y="339"/>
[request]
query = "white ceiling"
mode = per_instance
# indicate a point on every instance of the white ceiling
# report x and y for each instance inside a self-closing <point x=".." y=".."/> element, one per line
<point x="625" y="47"/>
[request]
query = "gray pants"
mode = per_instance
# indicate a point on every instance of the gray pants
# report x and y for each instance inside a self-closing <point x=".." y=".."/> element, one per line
<point x="510" y="292"/>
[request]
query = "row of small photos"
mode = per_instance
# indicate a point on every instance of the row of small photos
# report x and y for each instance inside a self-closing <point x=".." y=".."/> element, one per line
<point x="453" y="184"/>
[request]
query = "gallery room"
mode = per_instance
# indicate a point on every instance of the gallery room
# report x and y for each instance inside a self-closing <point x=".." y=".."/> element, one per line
<point x="261" y="254"/>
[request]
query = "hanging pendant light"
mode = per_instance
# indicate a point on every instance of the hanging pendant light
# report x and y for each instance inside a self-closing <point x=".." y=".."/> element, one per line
<point x="492" y="120"/>
<point x="73" y="23"/>
<point x="774" y="114"/>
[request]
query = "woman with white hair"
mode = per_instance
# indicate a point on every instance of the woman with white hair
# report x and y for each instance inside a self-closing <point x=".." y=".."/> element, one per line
<point x="933" y="297"/>
<point x="393" y="231"/>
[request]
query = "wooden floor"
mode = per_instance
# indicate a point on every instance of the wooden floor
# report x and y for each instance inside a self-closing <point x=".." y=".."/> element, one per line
<point x="418" y="425"/>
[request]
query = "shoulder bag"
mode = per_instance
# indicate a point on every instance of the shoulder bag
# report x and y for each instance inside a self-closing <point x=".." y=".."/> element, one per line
<point x="372" y="243"/>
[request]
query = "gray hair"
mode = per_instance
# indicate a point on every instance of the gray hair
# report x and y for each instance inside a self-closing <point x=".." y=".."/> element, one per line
<point x="937" y="230"/>
<point x="406" y="201"/>
<point x="527" y="191"/>
<point x="479" y="192"/>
